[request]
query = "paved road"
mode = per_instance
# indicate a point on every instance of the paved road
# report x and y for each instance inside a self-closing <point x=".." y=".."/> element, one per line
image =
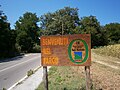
<point x="14" y="70"/>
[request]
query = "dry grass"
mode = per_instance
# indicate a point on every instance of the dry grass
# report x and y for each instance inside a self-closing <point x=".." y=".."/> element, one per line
<point x="111" y="50"/>
<point x="103" y="76"/>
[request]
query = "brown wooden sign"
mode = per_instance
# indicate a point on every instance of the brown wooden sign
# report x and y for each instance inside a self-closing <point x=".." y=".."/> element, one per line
<point x="66" y="50"/>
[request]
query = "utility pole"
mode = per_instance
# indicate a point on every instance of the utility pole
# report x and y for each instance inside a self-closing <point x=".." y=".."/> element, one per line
<point x="62" y="28"/>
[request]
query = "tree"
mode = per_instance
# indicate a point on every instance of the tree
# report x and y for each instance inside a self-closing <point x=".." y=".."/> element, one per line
<point x="25" y="41"/>
<point x="7" y="43"/>
<point x="63" y="21"/>
<point x="113" y="32"/>
<point x="27" y="29"/>
<point x="90" y="25"/>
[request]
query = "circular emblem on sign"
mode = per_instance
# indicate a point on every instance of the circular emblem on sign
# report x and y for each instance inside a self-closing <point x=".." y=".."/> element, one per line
<point x="78" y="51"/>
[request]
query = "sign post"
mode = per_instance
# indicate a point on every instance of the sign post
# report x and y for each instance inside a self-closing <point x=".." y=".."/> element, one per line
<point x="45" y="77"/>
<point x="67" y="50"/>
<point x="87" y="76"/>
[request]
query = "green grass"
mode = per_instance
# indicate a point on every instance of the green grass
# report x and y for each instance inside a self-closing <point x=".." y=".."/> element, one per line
<point x="64" y="78"/>
<point x="111" y="50"/>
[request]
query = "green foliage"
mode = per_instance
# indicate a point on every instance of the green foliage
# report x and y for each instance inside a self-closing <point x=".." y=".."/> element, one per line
<point x="90" y="25"/>
<point x="63" y="21"/>
<point x="113" y="32"/>
<point x="25" y="41"/>
<point x="30" y="72"/>
<point x="27" y="31"/>
<point x="7" y="38"/>
<point x="36" y="48"/>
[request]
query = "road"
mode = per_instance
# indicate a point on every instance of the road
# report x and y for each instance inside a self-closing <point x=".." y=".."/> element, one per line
<point x="16" y="68"/>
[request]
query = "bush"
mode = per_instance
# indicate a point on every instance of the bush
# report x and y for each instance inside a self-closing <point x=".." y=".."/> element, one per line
<point x="30" y="72"/>
<point x="36" y="48"/>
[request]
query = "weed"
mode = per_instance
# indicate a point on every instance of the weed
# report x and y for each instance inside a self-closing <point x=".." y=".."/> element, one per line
<point x="4" y="89"/>
<point x="30" y="72"/>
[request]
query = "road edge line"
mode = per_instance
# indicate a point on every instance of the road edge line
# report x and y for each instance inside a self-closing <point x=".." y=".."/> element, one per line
<point x="17" y="64"/>
<point x="21" y="80"/>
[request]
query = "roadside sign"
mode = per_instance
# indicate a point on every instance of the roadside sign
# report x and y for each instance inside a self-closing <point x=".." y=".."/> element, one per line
<point x="66" y="50"/>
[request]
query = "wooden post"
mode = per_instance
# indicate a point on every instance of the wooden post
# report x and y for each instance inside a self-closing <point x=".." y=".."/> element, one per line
<point x="45" y="77"/>
<point x="87" y="76"/>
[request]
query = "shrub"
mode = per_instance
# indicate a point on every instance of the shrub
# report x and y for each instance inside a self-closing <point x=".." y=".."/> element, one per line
<point x="30" y="72"/>
<point x="36" y="48"/>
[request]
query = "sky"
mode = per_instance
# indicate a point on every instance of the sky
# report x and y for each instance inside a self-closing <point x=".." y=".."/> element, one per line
<point x="106" y="11"/>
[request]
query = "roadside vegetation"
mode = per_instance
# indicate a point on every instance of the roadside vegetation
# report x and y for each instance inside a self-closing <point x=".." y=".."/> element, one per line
<point x="4" y="89"/>
<point x="72" y="78"/>
<point x="30" y="72"/>
<point x="110" y="50"/>
<point x="64" y="78"/>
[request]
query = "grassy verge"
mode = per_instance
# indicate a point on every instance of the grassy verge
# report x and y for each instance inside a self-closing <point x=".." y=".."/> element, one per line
<point x="111" y="50"/>
<point x="65" y="78"/>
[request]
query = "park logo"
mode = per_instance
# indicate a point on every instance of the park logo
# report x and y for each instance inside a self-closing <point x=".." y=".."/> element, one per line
<point x="78" y="51"/>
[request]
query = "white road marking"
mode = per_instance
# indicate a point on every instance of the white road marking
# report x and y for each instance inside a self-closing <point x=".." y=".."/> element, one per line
<point x="18" y="64"/>
<point x="17" y="83"/>
<point x="21" y="80"/>
<point x="25" y="81"/>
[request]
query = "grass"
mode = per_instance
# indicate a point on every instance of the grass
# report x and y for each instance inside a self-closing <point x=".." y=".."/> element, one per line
<point x="64" y="78"/>
<point x="110" y="50"/>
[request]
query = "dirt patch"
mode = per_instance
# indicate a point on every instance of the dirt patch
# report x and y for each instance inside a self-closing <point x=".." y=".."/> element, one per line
<point x="103" y="76"/>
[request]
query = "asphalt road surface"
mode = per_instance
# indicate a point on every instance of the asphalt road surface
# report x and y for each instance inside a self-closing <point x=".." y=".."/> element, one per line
<point x="16" y="68"/>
